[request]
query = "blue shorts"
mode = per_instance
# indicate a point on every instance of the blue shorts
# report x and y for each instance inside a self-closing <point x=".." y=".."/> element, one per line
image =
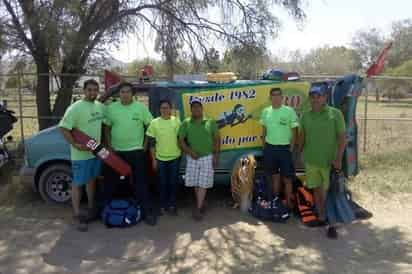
<point x="85" y="170"/>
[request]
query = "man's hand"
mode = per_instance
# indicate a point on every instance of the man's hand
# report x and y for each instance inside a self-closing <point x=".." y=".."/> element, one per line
<point x="81" y="147"/>
<point x="337" y="164"/>
<point x="215" y="160"/>
<point x="193" y="155"/>
<point x="154" y="164"/>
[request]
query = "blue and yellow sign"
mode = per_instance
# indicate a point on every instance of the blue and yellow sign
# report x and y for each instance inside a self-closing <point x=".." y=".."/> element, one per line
<point x="237" y="109"/>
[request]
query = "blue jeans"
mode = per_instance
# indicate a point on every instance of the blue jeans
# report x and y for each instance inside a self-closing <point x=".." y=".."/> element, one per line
<point x="168" y="179"/>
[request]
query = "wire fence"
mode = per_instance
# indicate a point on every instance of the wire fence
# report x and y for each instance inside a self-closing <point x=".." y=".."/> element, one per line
<point x="384" y="122"/>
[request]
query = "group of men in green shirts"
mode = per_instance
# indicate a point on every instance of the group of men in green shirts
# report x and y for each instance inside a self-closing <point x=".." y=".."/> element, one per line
<point x="320" y="134"/>
<point x="125" y="122"/>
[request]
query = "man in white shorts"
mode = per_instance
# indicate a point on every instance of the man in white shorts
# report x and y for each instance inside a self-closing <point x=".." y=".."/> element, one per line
<point x="199" y="139"/>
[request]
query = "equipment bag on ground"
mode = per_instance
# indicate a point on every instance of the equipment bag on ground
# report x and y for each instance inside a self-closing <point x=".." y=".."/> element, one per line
<point x="306" y="207"/>
<point x="121" y="213"/>
<point x="265" y="210"/>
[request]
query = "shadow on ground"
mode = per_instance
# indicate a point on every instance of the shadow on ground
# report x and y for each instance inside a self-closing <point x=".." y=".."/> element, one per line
<point x="39" y="239"/>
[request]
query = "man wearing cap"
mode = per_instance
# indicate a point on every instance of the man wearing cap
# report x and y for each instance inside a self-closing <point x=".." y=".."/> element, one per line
<point x="280" y="129"/>
<point x="322" y="138"/>
<point x="199" y="139"/>
<point x="125" y="122"/>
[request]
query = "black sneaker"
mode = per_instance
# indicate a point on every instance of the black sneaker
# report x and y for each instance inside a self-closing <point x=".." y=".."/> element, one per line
<point x="92" y="215"/>
<point x="150" y="220"/>
<point x="172" y="211"/>
<point x="81" y="223"/>
<point x="162" y="211"/>
<point x="332" y="233"/>
<point x="197" y="215"/>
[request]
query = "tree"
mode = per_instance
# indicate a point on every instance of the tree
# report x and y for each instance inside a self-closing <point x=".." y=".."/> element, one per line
<point x="62" y="36"/>
<point x="368" y="44"/>
<point x="212" y="60"/>
<point x="247" y="60"/>
<point x="401" y="36"/>
<point x="331" y="60"/>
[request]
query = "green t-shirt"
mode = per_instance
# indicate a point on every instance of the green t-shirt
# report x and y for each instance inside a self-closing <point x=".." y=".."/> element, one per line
<point x="165" y="133"/>
<point x="87" y="117"/>
<point x="279" y="123"/>
<point x="321" y="130"/>
<point x="199" y="135"/>
<point x="127" y="124"/>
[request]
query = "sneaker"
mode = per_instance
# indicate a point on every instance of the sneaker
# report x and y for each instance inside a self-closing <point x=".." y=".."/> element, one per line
<point x="276" y="202"/>
<point x="92" y="214"/>
<point x="81" y="223"/>
<point x="332" y="233"/>
<point x="162" y="211"/>
<point x="150" y="220"/>
<point x="197" y="215"/>
<point x="172" y="211"/>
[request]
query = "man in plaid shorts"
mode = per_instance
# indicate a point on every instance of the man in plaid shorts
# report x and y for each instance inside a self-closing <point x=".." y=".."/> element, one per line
<point x="199" y="140"/>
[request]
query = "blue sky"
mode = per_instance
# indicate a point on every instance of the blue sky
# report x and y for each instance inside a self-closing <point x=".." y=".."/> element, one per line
<point x="329" y="22"/>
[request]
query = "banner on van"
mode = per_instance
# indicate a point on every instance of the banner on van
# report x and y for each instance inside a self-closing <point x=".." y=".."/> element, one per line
<point x="237" y="109"/>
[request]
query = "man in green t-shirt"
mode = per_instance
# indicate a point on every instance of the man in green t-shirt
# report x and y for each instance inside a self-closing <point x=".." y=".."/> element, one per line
<point x="280" y="129"/>
<point x="125" y="124"/>
<point x="322" y="138"/>
<point x="87" y="116"/>
<point x="200" y="141"/>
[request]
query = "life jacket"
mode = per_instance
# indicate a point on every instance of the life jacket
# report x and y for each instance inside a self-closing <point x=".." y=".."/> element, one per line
<point x="306" y="207"/>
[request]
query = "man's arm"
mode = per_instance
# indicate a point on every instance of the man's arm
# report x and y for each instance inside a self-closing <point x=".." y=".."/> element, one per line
<point x="263" y="134"/>
<point x="301" y="140"/>
<point x="216" y="149"/>
<point x="295" y="138"/>
<point x="341" y="140"/>
<point x="186" y="149"/>
<point x="69" y="138"/>
<point x="152" y="145"/>
<point x="107" y="135"/>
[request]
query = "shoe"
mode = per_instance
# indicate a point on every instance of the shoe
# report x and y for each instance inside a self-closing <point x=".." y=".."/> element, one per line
<point x="276" y="202"/>
<point x="150" y="220"/>
<point x="332" y="233"/>
<point x="162" y="211"/>
<point x="197" y="215"/>
<point x="92" y="215"/>
<point x="203" y="210"/>
<point x="80" y="223"/>
<point x="172" y="211"/>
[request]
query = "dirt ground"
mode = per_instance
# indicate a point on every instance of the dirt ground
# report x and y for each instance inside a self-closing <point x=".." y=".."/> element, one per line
<point x="38" y="238"/>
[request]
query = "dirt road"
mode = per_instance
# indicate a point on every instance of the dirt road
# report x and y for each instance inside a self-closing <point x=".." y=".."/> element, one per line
<point x="35" y="238"/>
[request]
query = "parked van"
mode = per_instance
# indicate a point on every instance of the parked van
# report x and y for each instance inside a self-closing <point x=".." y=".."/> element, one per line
<point x="236" y="106"/>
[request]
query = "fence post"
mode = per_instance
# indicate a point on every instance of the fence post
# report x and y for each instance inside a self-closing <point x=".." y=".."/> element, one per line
<point x="365" y="120"/>
<point x="20" y="106"/>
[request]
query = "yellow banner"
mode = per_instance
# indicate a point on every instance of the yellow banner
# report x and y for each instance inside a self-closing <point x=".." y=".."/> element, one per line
<point x="237" y="109"/>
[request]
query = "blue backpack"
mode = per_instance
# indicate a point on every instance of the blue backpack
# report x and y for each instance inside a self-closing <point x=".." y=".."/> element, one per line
<point x="121" y="213"/>
<point x="273" y="211"/>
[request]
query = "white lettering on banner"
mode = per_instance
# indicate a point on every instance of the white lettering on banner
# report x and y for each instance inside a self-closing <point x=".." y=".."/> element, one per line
<point x="92" y="144"/>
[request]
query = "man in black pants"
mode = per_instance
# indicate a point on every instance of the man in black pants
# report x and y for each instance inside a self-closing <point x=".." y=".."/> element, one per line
<point x="280" y="129"/>
<point x="125" y="132"/>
